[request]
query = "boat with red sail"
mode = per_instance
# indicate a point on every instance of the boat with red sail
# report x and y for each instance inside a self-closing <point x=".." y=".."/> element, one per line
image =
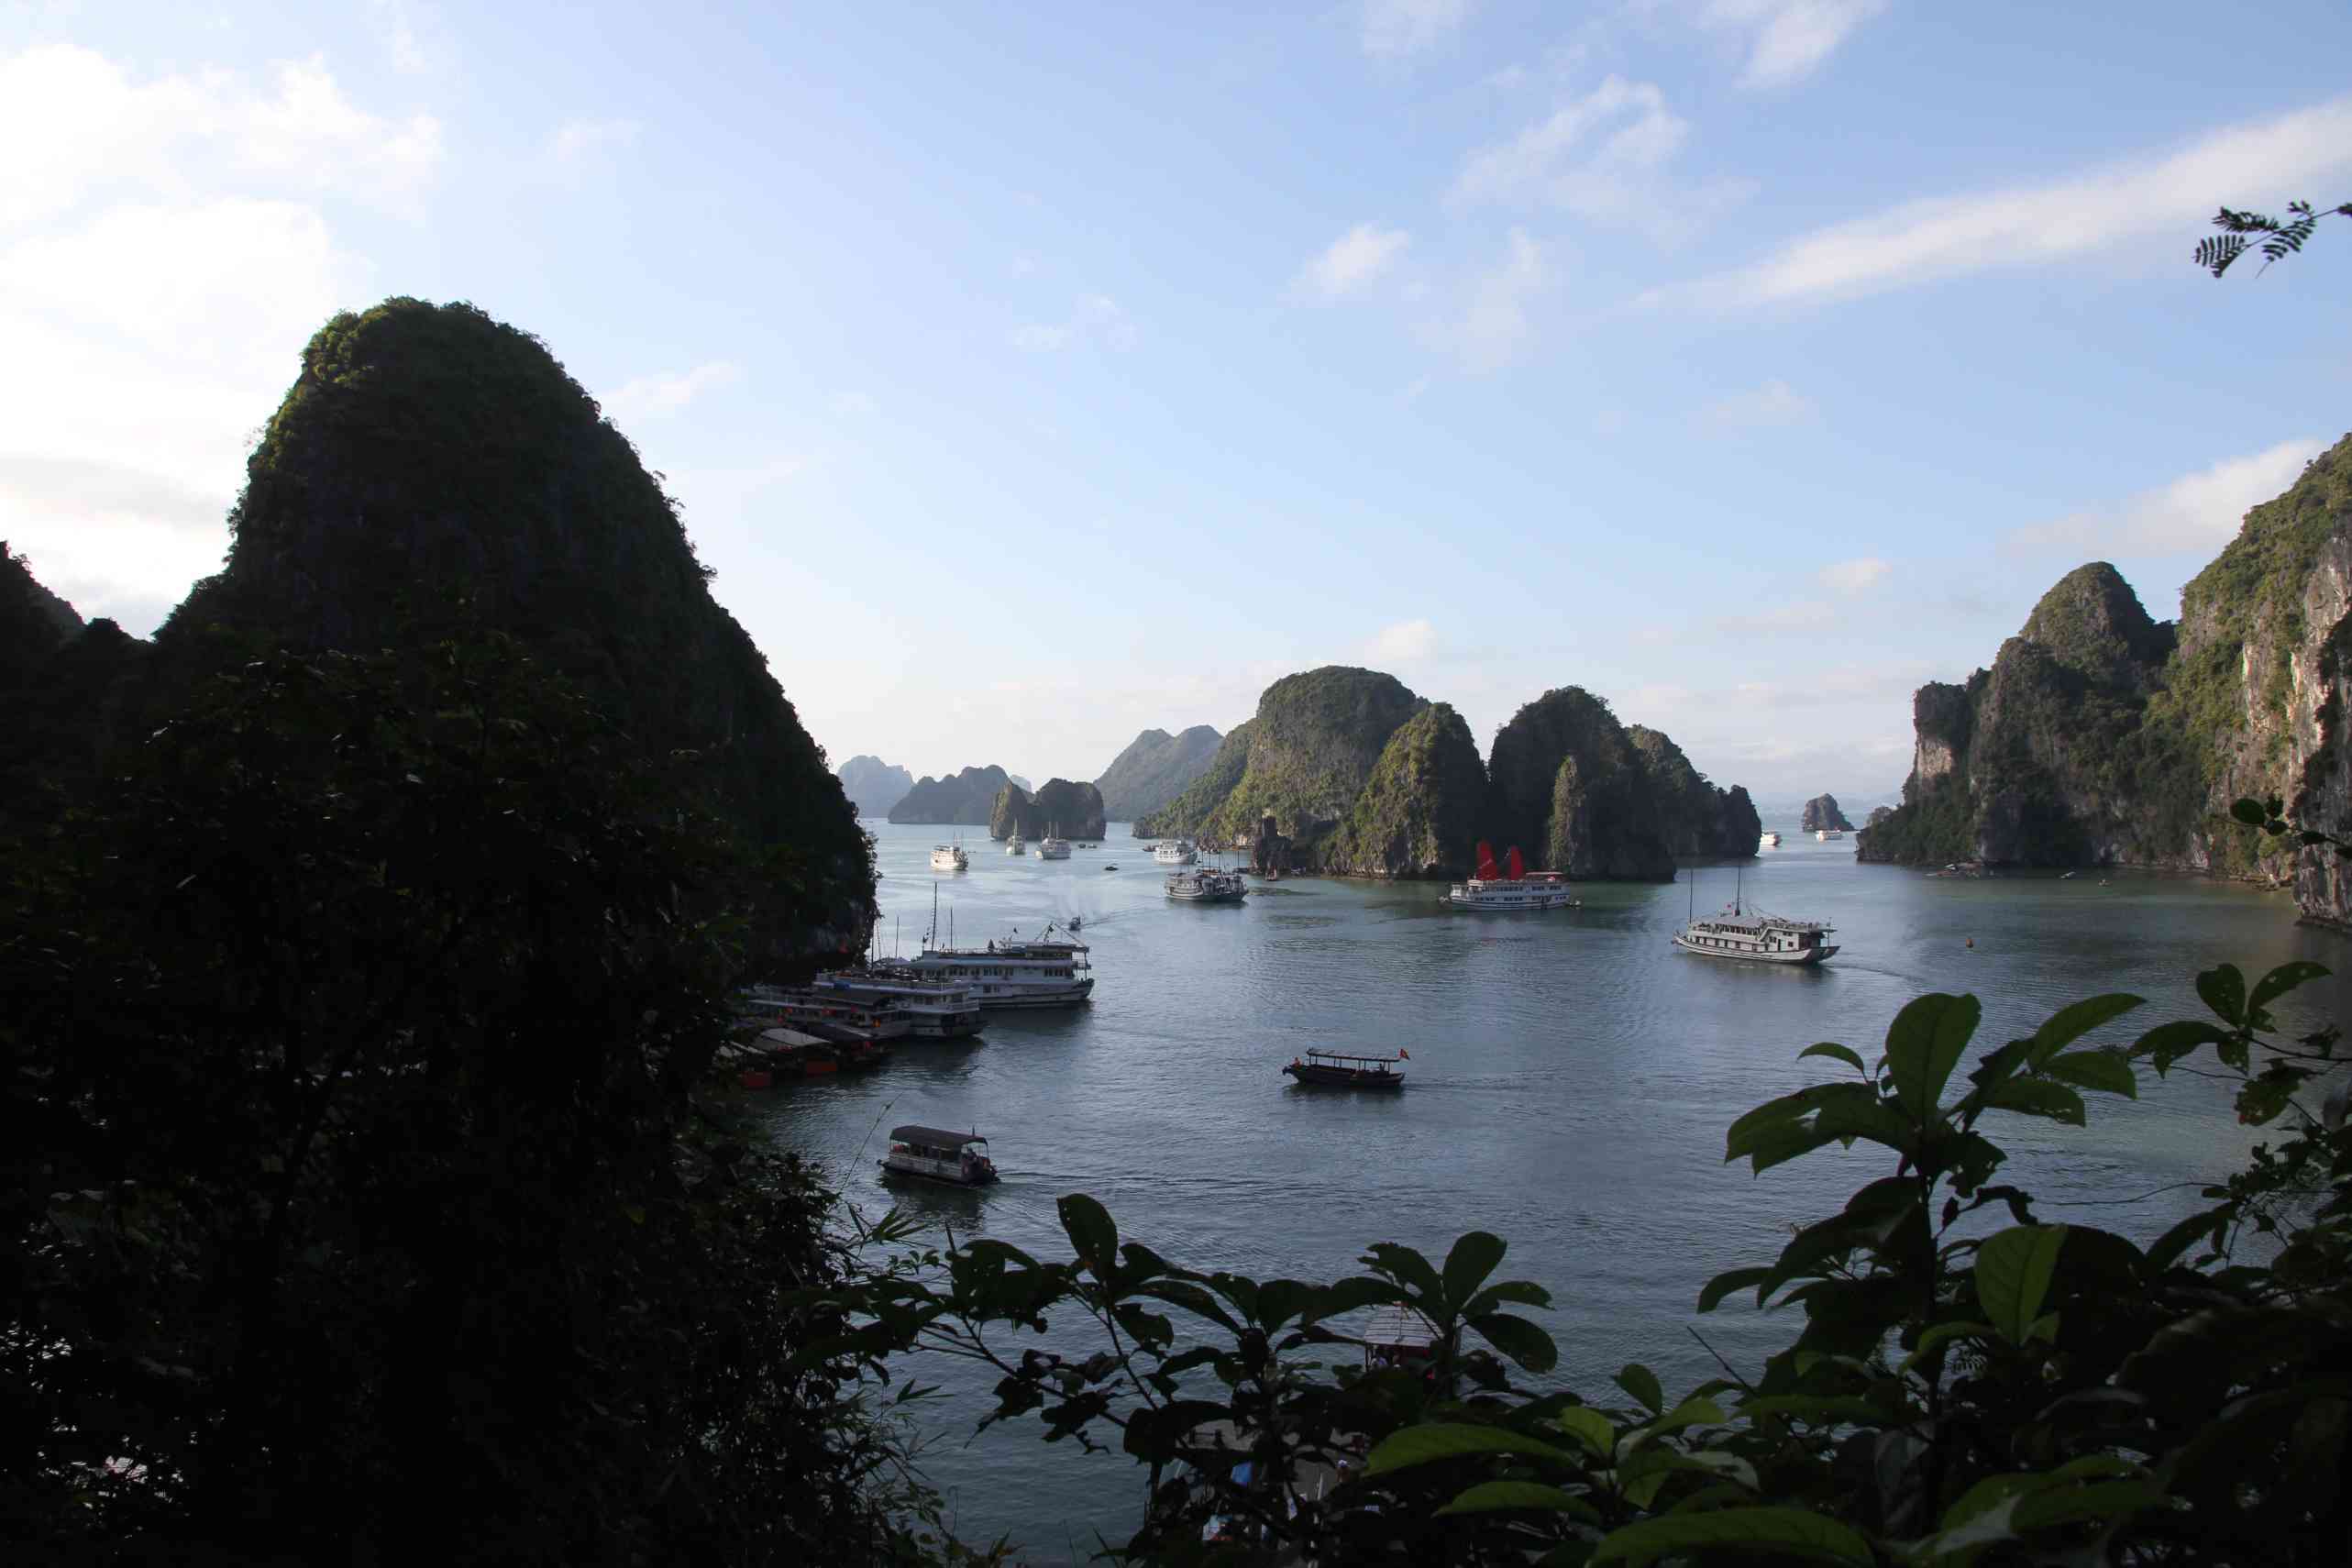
<point x="1511" y="887"/>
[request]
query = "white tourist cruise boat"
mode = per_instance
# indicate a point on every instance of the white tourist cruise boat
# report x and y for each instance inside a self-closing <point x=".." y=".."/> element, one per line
<point x="1206" y="885"/>
<point x="1044" y="971"/>
<point x="1756" y="937"/>
<point x="1770" y="841"/>
<point x="1511" y="887"/>
<point x="949" y="857"/>
<point x="1052" y="846"/>
<point x="1823" y="835"/>
<point x="940" y="1155"/>
<point x="828" y="1012"/>
<point x="936" y="1008"/>
<point x="1173" y="852"/>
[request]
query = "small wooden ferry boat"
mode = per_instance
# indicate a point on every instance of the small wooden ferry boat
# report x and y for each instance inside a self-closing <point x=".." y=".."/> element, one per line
<point x="1339" y="1069"/>
<point x="937" y="1155"/>
<point x="1206" y="885"/>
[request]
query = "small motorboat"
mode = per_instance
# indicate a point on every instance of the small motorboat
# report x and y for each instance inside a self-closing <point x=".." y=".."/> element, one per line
<point x="938" y="1154"/>
<point x="1110" y="867"/>
<point x="1338" y="1069"/>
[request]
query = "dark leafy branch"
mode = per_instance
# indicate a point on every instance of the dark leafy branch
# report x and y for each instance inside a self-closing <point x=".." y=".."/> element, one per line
<point x="2274" y="238"/>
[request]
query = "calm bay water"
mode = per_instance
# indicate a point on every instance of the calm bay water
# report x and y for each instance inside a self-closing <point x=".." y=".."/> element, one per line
<point x="1571" y="1076"/>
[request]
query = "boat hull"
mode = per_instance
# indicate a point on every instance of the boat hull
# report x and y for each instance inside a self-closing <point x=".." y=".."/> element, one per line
<point x="941" y="1176"/>
<point x="1319" y="1076"/>
<point x="1232" y="898"/>
<point x="1800" y="958"/>
<point x="1527" y="903"/>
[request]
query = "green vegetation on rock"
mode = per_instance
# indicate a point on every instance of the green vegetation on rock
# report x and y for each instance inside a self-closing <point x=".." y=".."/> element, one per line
<point x="1418" y="812"/>
<point x="1073" y="810"/>
<point x="433" y="471"/>
<point x="2099" y="735"/>
<point x="1154" y="769"/>
<point x="1192" y="806"/>
<point x="962" y="800"/>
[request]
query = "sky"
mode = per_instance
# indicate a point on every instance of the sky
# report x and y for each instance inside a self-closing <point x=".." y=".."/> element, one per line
<point x="1035" y="375"/>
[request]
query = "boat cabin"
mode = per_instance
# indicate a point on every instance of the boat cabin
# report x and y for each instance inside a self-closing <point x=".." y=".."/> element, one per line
<point x="1398" y="1336"/>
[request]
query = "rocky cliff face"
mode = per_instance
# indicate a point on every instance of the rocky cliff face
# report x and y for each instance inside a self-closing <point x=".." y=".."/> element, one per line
<point x="1308" y="753"/>
<point x="1154" y="769"/>
<point x="962" y="800"/>
<point x="1822" y="812"/>
<point x="1194" y="803"/>
<point x="69" y="693"/>
<point x="1417" y="814"/>
<point x="873" y="784"/>
<point x="1592" y="798"/>
<point x="2099" y="735"/>
<point x="433" y="469"/>
<point x="1074" y="811"/>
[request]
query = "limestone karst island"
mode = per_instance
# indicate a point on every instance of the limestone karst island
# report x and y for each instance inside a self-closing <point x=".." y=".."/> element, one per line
<point x="1404" y="783"/>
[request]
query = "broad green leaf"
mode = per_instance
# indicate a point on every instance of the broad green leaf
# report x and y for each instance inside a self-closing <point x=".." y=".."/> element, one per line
<point x="1820" y="1409"/>
<point x="1643" y="1383"/>
<point x="2249" y="812"/>
<point x="1940" y="1335"/>
<point x="1490" y="1496"/>
<point x="2012" y="1274"/>
<point x="2169" y="1248"/>
<point x="1411" y="1268"/>
<point x="1924" y="1045"/>
<point x="1588" y="1427"/>
<point x="1516" y="1337"/>
<point x="2281" y="980"/>
<point x="1764" y="1531"/>
<point x="1772" y="1112"/>
<point x="1474" y="1257"/>
<point x="1843" y="1054"/>
<point x="2101" y="1070"/>
<point x="1863" y="1114"/>
<point x="2072" y="1021"/>
<point x="1350" y="1295"/>
<point x="2038" y="1096"/>
<point x="1519" y="1292"/>
<point x="1783" y="1145"/>
<point x="1410" y="1446"/>
<point x="2100" y="1501"/>
<point x="1693" y="1412"/>
<point x="1191" y="1297"/>
<point x="1092" y="1235"/>
<point x="2168" y="1042"/>
<point x="2224" y="990"/>
<point x="1723" y="1285"/>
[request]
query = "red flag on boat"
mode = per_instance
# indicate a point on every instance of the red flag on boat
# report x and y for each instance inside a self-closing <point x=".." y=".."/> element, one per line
<point x="1518" y="867"/>
<point x="1403" y="1054"/>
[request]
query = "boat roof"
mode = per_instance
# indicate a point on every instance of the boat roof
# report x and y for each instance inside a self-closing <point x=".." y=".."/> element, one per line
<point x="1757" y="919"/>
<point x="792" y="1037"/>
<point x="934" y="1137"/>
<point x="1399" y="1325"/>
<point x="1352" y="1056"/>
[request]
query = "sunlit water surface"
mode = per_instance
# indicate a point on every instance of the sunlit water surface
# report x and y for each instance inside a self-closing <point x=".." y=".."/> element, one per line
<point x="1571" y="1078"/>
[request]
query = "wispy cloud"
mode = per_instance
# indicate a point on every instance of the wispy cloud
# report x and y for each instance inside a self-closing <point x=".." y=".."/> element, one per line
<point x="1394" y="27"/>
<point x="2156" y="195"/>
<point x="1406" y="642"/>
<point x="856" y="403"/>
<point x="1855" y="575"/>
<point x="1786" y="39"/>
<point x="398" y="33"/>
<point x="1603" y="157"/>
<point x="1095" y="318"/>
<point x="1784" y="620"/>
<point x="2198" y="512"/>
<point x="578" y="140"/>
<point x="667" y="392"/>
<point x="1773" y="404"/>
<point x="1494" y="328"/>
<point x="1352" y="261"/>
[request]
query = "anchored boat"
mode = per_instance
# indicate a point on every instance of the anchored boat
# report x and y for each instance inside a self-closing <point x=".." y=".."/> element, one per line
<point x="1340" y="1069"/>
<point x="1042" y="971"/>
<point x="1206" y="885"/>
<point x="949" y="857"/>
<point x="934" y="1008"/>
<point x="938" y="1154"/>
<point x="1173" y="852"/>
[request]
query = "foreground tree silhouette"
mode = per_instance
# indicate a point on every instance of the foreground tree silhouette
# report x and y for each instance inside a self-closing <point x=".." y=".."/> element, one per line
<point x="356" y="1192"/>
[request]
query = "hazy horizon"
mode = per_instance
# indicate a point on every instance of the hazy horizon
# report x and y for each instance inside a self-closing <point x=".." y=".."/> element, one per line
<point x="1028" y="384"/>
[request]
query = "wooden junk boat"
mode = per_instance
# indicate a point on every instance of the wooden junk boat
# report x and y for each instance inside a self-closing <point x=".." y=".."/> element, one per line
<point x="1338" y="1069"/>
<point x="937" y="1155"/>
